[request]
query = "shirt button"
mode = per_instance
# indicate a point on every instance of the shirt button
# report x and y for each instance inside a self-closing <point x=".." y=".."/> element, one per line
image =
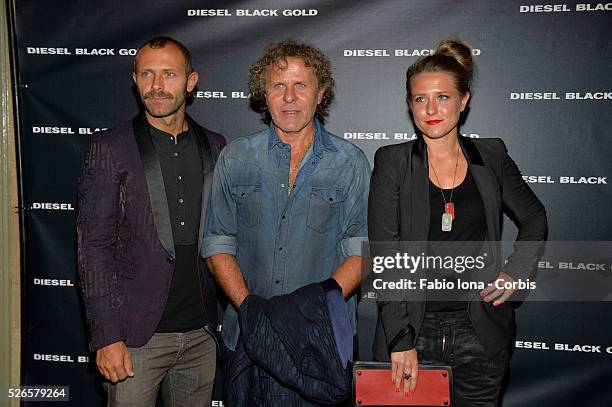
<point x="176" y="154"/>
<point x="283" y="217"/>
<point x="182" y="223"/>
<point x="180" y="178"/>
<point x="277" y="281"/>
<point x="170" y="260"/>
<point x="282" y="185"/>
<point x="280" y="248"/>
<point x="180" y="200"/>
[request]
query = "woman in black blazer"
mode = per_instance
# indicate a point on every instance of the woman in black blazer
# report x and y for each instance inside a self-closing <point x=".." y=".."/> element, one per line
<point x="442" y="187"/>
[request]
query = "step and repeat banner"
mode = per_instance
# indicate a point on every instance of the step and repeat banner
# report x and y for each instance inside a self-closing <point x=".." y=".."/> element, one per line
<point x="543" y="85"/>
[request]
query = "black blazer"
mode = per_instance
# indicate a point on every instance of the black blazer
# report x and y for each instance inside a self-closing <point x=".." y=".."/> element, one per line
<point x="399" y="211"/>
<point x="124" y="235"/>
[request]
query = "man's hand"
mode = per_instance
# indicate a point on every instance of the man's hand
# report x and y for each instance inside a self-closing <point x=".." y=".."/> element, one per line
<point x="348" y="275"/>
<point x="114" y="362"/>
<point x="498" y="294"/>
<point x="405" y="365"/>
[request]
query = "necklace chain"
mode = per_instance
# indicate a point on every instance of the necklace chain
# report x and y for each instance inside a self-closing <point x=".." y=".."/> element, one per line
<point x="450" y="199"/>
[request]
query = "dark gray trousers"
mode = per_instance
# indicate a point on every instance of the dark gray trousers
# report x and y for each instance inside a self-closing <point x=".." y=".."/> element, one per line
<point x="182" y="364"/>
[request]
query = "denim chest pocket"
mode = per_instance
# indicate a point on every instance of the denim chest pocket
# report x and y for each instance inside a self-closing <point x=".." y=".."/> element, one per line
<point x="248" y="204"/>
<point x="324" y="208"/>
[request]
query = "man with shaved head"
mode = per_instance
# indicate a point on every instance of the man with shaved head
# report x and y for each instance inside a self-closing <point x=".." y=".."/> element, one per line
<point x="150" y="301"/>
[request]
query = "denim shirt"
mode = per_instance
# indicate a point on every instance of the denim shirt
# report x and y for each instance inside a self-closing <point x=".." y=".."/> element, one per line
<point x="283" y="242"/>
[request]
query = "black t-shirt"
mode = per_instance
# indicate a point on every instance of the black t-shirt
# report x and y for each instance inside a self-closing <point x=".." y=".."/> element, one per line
<point x="184" y="309"/>
<point x="469" y="225"/>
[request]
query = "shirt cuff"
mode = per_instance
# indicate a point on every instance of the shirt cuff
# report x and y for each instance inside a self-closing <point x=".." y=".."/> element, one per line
<point x="217" y="245"/>
<point x="404" y="344"/>
<point x="352" y="246"/>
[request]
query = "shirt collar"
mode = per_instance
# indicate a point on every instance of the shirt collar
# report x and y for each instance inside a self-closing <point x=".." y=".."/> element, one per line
<point x="322" y="141"/>
<point x="164" y="137"/>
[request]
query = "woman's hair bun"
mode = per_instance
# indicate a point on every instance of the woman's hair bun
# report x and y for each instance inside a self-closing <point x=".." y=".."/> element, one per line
<point x="452" y="56"/>
<point x="460" y="51"/>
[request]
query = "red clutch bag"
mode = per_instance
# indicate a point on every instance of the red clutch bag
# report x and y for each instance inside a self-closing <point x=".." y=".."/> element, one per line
<point x="372" y="386"/>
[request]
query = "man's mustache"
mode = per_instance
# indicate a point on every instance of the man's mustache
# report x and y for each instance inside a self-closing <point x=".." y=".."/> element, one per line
<point x="157" y="94"/>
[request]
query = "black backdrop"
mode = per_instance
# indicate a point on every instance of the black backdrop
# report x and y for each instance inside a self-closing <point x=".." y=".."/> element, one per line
<point x="543" y="85"/>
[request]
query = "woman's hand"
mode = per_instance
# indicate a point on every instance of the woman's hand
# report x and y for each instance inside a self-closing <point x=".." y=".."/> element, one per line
<point x="405" y="366"/>
<point x="496" y="290"/>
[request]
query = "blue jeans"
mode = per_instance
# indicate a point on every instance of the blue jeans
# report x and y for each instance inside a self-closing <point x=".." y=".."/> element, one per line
<point x="182" y="364"/>
<point x="448" y="338"/>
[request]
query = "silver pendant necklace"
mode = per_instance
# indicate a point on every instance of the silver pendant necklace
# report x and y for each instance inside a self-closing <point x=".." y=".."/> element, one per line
<point x="448" y="215"/>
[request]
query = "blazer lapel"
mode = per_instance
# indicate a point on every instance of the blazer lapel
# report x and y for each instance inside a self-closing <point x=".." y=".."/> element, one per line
<point x="416" y="185"/>
<point x="419" y="192"/>
<point x="207" y="170"/>
<point x="155" y="182"/>
<point x="487" y="185"/>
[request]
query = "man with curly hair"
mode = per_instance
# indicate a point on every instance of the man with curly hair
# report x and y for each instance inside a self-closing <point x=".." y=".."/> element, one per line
<point x="288" y="204"/>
